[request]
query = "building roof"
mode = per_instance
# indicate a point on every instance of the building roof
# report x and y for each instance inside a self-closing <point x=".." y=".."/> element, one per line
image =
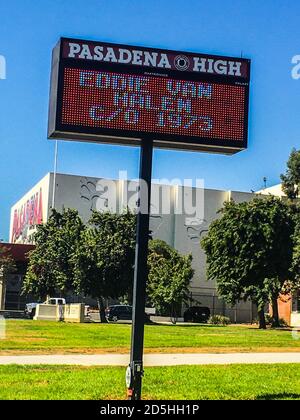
<point x="274" y="190"/>
<point x="17" y="251"/>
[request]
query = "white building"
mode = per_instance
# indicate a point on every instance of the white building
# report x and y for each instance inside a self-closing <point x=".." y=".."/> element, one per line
<point x="174" y="219"/>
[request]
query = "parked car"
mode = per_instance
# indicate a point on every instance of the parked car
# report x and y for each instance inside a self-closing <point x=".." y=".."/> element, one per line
<point x="196" y="314"/>
<point x="30" y="308"/>
<point x="115" y="313"/>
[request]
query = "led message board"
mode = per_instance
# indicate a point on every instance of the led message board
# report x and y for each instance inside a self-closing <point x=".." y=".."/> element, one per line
<point x="118" y="94"/>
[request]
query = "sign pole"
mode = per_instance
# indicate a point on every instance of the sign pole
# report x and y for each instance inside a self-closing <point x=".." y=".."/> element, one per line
<point x="54" y="174"/>
<point x="135" y="369"/>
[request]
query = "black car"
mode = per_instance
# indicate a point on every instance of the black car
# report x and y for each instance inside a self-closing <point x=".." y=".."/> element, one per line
<point x="115" y="313"/>
<point x="196" y="314"/>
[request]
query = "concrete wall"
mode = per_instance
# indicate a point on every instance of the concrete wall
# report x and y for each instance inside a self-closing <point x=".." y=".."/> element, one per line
<point x="295" y="319"/>
<point x="284" y="308"/>
<point x="46" y="312"/>
<point x="73" y="312"/>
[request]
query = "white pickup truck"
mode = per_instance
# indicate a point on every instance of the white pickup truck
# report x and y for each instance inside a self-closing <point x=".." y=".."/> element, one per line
<point x="30" y="308"/>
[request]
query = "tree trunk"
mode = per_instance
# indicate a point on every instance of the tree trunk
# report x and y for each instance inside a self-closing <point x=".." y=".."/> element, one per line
<point x="262" y="320"/>
<point x="101" y="310"/>
<point x="173" y="316"/>
<point x="275" y="313"/>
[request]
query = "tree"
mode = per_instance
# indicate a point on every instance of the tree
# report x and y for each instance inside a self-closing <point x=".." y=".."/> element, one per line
<point x="169" y="277"/>
<point x="7" y="263"/>
<point x="104" y="262"/>
<point x="291" y="187"/>
<point x="51" y="263"/>
<point x="249" y="251"/>
<point x="296" y="256"/>
<point x="291" y="179"/>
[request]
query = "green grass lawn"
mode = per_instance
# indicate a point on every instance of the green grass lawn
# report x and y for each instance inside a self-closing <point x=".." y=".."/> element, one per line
<point x="181" y="382"/>
<point x="52" y="337"/>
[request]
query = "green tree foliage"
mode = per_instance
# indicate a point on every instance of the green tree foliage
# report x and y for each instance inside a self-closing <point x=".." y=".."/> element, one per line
<point x="296" y="256"/>
<point x="105" y="259"/>
<point x="51" y="263"/>
<point x="169" y="277"/>
<point x="98" y="260"/>
<point x="291" y="187"/>
<point x="291" y="179"/>
<point x="249" y="251"/>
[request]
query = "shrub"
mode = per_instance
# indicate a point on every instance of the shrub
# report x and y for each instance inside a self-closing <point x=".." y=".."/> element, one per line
<point x="219" y="320"/>
<point x="269" y="321"/>
<point x="283" y="322"/>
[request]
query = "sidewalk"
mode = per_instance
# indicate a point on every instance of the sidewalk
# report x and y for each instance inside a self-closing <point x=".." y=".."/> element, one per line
<point x="153" y="359"/>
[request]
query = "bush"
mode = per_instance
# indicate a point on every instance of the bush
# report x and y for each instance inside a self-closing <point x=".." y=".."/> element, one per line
<point x="269" y="321"/>
<point x="219" y="320"/>
<point x="283" y="322"/>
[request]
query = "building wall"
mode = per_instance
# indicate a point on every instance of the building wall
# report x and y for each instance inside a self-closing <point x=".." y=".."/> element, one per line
<point x="29" y="211"/>
<point x="295" y="309"/>
<point x="285" y="308"/>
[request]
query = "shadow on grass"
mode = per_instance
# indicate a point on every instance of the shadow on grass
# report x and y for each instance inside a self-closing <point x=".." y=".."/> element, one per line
<point x="183" y="325"/>
<point x="282" y="396"/>
<point x="252" y="327"/>
<point x="284" y="329"/>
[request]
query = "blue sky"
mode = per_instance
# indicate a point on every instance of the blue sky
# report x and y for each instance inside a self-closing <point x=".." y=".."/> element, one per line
<point x="268" y="32"/>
